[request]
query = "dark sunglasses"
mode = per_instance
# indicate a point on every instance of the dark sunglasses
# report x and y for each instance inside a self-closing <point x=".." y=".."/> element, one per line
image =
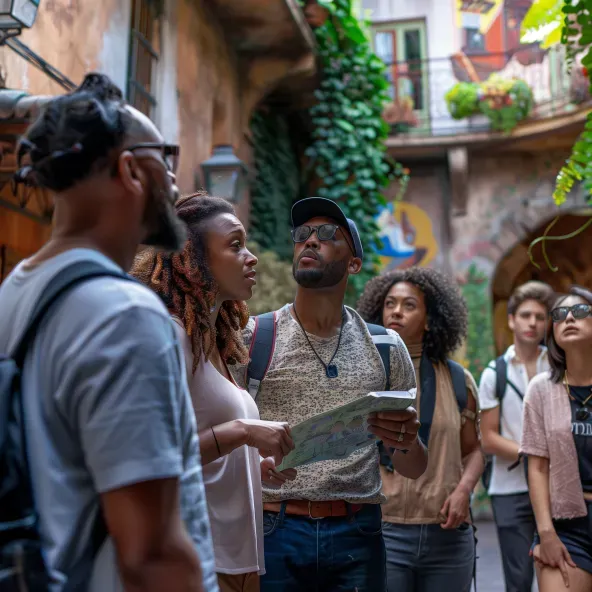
<point x="170" y="153"/>
<point x="582" y="414"/>
<point x="324" y="232"/>
<point x="579" y="311"/>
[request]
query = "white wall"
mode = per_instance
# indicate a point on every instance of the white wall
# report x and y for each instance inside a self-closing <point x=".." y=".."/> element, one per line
<point x="113" y="57"/>
<point x="443" y="40"/>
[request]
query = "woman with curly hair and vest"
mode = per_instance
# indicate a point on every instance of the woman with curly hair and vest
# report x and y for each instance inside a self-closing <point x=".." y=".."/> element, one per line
<point x="426" y="522"/>
<point x="205" y="287"/>
<point x="557" y="438"/>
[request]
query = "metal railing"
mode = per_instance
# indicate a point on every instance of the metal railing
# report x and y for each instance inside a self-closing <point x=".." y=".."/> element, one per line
<point x="555" y="90"/>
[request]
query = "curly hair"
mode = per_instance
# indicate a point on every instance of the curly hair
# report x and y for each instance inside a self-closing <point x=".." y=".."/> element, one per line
<point x="184" y="282"/>
<point x="445" y="305"/>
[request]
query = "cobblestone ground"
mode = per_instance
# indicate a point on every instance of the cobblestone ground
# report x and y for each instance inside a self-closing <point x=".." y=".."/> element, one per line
<point x="489" y="564"/>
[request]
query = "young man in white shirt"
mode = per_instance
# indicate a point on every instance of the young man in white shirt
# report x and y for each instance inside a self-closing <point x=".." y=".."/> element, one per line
<point x="501" y="428"/>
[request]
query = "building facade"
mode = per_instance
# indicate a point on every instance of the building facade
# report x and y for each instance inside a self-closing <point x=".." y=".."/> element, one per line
<point x="478" y="196"/>
<point x="198" y="68"/>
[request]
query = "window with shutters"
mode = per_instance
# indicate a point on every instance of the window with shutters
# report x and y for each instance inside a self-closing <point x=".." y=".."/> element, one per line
<point x="143" y="56"/>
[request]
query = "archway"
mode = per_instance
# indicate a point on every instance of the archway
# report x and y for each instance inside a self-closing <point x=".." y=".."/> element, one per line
<point x="573" y="258"/>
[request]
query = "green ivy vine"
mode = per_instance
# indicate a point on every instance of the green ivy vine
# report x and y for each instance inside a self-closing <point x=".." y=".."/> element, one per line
<point x="576" y="35"/>
<point x="275" y="184"/>
<point x="348" y="150"/>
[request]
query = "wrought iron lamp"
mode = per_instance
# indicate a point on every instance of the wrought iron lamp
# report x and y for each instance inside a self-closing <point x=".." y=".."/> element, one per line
<point x="224" y="174"/>
<point x="16" y="15"/>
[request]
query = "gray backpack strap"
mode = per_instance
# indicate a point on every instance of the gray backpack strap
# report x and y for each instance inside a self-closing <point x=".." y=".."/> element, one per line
<point x="261" y="351"/>
<point x="384" y="348"/>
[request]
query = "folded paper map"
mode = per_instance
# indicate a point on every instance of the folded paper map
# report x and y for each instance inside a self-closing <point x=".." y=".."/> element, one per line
<point x="337" y="433"/>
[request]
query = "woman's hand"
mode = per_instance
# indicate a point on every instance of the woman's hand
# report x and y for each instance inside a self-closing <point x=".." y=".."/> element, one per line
<point x="456" y="508"/>
<point x="272" y="477"/>
<point x="551" y="552"/>
<point x="271" y="438"/>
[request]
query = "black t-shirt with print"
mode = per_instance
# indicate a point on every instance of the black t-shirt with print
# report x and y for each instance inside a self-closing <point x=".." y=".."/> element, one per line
<point x="581" y="428"/>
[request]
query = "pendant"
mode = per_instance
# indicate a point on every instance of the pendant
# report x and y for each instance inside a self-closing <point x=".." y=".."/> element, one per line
<point x="332" y="371"/>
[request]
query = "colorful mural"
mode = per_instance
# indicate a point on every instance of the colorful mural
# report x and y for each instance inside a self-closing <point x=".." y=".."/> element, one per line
<point x="407" y="236"/>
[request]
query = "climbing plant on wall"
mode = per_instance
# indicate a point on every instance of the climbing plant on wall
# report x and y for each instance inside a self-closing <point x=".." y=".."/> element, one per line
<point x="275" y="184"/>
<point x="479" y="347"/>
<point x="576" y="34"/>
<point x="347" y="153"/>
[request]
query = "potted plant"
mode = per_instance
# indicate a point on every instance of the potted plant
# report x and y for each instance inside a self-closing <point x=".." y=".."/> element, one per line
<point x="400" y="115"/>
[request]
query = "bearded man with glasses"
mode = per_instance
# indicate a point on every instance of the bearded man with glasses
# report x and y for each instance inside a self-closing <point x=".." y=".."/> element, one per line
<point x="323" y="527"/>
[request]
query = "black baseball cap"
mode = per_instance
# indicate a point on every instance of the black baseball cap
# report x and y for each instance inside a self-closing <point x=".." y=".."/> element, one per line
<point x="311" y="207"/>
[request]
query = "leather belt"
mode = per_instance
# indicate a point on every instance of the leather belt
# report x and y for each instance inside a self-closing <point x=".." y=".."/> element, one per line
<point x="314" y="510"/>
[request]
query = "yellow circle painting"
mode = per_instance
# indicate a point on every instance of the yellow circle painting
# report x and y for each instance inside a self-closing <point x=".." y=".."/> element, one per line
<point x="407" y="237"/>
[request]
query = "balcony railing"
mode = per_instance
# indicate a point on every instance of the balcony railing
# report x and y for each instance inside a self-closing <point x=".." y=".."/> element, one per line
<point x="556" y="91"/>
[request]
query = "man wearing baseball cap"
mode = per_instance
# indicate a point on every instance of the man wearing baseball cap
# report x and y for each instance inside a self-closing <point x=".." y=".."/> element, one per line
<point x="322" y="524"/>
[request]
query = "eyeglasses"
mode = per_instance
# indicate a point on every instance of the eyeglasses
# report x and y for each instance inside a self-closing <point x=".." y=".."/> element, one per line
<point x="325" y="232"/>
<point x="579" y="311"/>
<point x="170" y="153"/>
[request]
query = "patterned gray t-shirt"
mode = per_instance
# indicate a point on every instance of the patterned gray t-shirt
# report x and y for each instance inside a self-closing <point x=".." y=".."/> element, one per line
<point x="296" y="387"/>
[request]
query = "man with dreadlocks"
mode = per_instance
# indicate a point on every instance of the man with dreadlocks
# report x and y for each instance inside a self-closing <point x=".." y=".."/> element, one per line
<point x="111" y="438"/>
<point x="323" y="529"/>
<point x="205" y="287"/>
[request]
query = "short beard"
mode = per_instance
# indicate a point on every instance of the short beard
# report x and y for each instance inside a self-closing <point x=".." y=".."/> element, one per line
<point x="167" y="232"/>
<point x="315" y="279"/>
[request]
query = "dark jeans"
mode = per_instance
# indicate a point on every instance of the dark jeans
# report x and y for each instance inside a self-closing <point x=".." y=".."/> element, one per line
<point x="428" y="558"/>
<point x="516" y="527"/>
<point x="325" y="555"/>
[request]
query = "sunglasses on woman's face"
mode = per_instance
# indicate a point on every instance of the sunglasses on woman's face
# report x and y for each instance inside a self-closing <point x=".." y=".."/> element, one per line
<point x="579" y="311"/>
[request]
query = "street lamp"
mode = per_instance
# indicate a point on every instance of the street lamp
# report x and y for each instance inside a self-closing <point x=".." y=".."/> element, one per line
<point x="224" y="174"/>
<point x="16" y="15"/>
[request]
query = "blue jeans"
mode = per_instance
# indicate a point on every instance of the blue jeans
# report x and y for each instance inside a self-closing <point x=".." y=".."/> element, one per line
<point x="325" y="555"/>
<point x="427" y="558"/>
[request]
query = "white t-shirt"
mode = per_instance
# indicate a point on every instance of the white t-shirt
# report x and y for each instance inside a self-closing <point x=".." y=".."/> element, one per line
<point x="233" y="481"/>
<point x="504" y="482"/>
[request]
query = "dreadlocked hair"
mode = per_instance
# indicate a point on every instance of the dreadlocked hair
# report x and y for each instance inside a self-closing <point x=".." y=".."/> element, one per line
<point x="446" y="308"/>
<point x="184" y="282"/>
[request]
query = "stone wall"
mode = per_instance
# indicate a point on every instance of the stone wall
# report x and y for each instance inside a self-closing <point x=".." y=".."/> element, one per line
<point x="510" y="202"/>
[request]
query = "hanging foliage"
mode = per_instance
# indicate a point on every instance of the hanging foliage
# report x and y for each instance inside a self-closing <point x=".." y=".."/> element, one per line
<point x="576" y="35"/>
<point x="275" y="185"/>
<point x="348" y="151"/>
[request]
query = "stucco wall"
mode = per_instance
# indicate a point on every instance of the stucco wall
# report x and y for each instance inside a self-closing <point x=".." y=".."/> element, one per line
<point x="74" y="36"/>
<point x="196" y="79"/>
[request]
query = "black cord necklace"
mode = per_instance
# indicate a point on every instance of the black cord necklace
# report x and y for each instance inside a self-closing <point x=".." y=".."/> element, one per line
<point x="330" y="368"/>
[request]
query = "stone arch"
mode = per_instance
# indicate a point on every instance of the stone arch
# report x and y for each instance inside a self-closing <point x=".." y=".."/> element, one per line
<point x="572" y="258"/>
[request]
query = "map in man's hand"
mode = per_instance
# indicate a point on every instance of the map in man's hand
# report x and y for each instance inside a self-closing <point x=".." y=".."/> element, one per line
<point x="337" y="433"/>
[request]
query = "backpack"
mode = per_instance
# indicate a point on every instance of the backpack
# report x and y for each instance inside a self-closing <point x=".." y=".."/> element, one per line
<point x="22" y="566"/>
<point x="501" y="382"/>
<point x="261" y="354"/>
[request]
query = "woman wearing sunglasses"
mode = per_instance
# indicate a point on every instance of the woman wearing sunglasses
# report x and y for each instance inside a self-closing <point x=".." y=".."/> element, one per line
<point x="557" y="437"/>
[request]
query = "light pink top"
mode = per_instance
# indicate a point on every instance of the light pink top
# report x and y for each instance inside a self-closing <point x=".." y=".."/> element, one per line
<point x="546" y="432"/>
<point x="232" y="482"/>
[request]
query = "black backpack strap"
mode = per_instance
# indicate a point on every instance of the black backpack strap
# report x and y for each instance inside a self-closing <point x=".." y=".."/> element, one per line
<point x="501" y="377"/>
<point x="384" y="348"/>
<point x="427" y="399"/>
<point x="459" y="384"/>
<point x="61" y="283"/>
<point x="261" y="351"/>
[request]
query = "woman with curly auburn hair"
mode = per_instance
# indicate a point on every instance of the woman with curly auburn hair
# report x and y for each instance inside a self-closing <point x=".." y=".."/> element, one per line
<point x="557" y="438"/>
<point x="205" y="287"/>
<point x="432" y="512"/>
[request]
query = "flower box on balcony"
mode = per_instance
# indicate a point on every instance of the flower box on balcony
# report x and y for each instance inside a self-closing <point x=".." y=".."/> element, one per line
<point x="400" y="116"/>
<point x="504" y="102"/>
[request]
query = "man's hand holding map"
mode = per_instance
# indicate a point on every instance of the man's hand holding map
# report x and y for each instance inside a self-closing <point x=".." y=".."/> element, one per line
<point x="337" y="433"/>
